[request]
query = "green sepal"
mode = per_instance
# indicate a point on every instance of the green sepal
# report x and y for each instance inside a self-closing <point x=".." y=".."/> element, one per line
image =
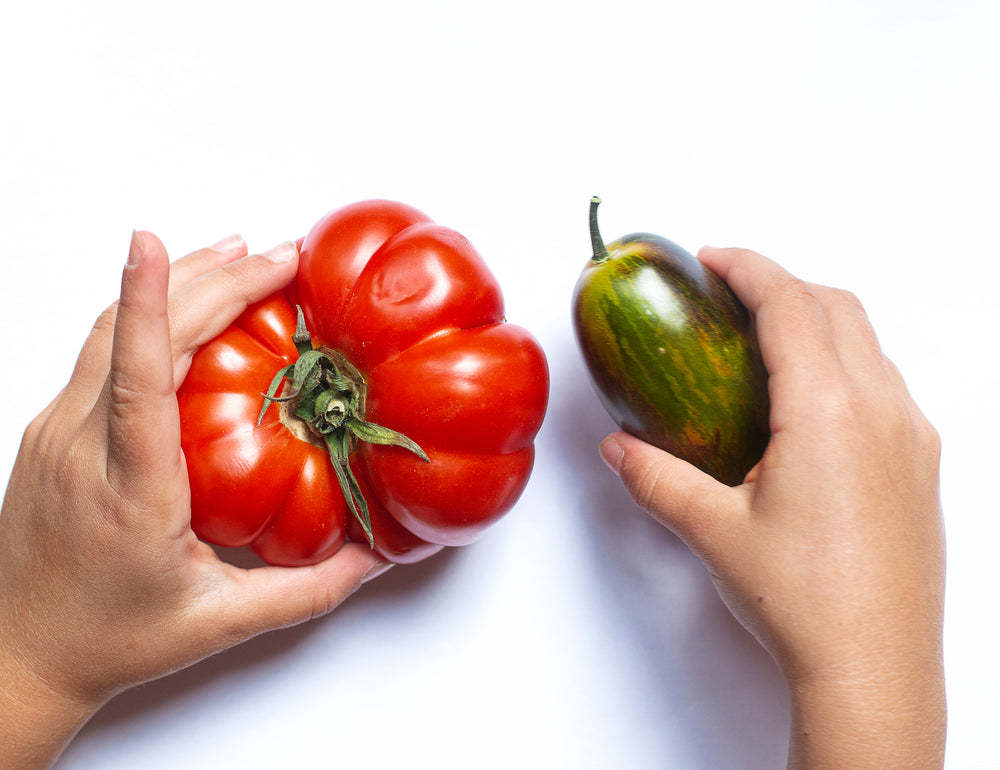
<point x="376" y="434"/>
<point x="329" y="402"/>
<point x="270" y="397"/>
<point x="337" y="446"/>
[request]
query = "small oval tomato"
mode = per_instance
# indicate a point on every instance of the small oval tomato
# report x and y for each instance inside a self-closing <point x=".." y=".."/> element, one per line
<point x="672" y="352"/>
<point x="398" y="405"/>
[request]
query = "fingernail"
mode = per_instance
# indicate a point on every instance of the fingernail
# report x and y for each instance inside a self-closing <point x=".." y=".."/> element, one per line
<point x="283" y="252"/>
<point x="135" y="249"/>
<point x="611" y="452"/>
<point x="229" y="243"/>
<point x="377" y="569"/>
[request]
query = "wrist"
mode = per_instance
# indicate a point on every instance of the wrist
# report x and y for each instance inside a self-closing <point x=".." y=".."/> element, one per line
<point x="893" y="715"/>
<point x="38" y="720"/>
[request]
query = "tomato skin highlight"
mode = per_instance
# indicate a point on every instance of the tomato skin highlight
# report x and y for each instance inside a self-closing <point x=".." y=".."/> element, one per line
<point x="309" y="526"/>
<point x="416" y="311"/>
<point x="673" y="355"/>
<point x="337" y="249"/>
<point x="453" y="391"/>
<point x="242" y="476"/>
<point x="452" y="499"/>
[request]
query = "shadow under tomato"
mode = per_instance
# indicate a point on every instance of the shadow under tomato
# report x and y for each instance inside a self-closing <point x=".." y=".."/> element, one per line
<point x="705" y="676"/>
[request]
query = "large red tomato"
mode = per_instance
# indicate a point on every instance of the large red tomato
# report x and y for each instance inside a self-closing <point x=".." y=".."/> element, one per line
<point x="403" y="411"/>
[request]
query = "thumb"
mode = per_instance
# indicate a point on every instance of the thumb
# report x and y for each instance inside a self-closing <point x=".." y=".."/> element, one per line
<point x="684" y="499"/>
<point x="267" y="598"/>
<point x="139" y="409"/>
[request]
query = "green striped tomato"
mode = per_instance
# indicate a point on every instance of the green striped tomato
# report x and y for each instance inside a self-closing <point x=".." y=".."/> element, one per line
<point x="672" y="353"/>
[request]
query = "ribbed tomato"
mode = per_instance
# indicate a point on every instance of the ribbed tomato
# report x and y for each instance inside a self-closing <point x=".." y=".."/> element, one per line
<point x="401" y="408"/>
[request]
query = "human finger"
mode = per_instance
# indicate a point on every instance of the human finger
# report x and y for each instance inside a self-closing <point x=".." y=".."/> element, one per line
<point x="791" y="325"/>
<point x="202" y="261"/>
<point x="687" y="501"/>
<point x="848" y="319"/>
<point x="141" y="411"/>
<point x="91" y="367"/>
<point x="796" y="341"/>
<point x="899" y="382"/>
<point x="267" y="598"/>
<point x="854" y="337"/>
<point x="203" y="308"/>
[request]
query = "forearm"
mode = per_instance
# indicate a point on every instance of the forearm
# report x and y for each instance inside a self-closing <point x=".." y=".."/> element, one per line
<point x="37" y="723"/>
<point x="893" y="718"/>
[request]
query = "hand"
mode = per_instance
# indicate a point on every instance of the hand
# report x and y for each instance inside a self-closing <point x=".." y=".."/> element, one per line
<point x="831" y="553"/>
<point x="102" y="583"/>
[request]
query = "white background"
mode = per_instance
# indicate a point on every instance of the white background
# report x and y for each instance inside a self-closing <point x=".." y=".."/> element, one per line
<point x="855" y="142"/>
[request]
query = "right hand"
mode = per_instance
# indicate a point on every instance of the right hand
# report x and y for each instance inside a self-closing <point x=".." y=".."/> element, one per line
<point x="831" y="553"/>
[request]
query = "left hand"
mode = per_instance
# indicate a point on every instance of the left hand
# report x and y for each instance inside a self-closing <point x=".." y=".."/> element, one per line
<point x="103" y="584"/>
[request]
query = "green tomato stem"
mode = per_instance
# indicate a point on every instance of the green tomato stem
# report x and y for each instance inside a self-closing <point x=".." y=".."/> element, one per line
<point x="600" y="250"/>
<point x="328" y="397"/>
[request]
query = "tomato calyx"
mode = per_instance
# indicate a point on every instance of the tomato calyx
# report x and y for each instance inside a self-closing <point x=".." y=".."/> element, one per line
<point x="327" y="398"/>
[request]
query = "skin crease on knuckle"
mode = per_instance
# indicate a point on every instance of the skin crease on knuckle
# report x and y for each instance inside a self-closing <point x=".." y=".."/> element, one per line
<point x="645" y="483"/>
<point x="781" y="289"/>
<point x="793" y="291"/>
<point x="125" y="394"/>
<point x="843" y="300"/>
<point x="242" y="274"/>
